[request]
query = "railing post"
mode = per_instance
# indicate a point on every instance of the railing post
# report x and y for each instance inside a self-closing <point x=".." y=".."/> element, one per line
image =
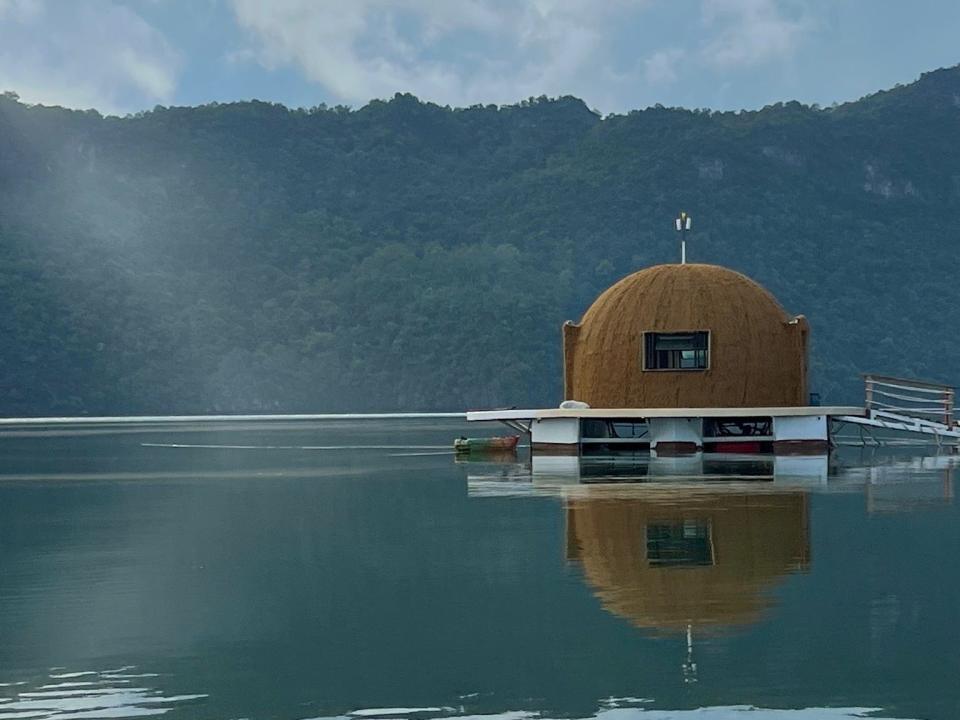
<point x="868" y="391"/>
<point x="948" y="409"/>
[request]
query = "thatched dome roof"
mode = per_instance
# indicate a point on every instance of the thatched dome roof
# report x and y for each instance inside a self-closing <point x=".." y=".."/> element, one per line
<point x="750" y="541"/>
<point x="691" y="292"/>
<point x="757" y="350"/>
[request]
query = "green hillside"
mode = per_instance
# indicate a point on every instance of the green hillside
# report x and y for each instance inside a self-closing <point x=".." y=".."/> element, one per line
<point x="248" y="257"/>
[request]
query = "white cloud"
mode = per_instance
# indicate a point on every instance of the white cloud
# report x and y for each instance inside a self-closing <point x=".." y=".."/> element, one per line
<point x="451" y="51"/>
<point x="20" y="10"/>
<point x="750" y="32"/>
<point x="661" y="67"/>
<point x="91" y="54"/>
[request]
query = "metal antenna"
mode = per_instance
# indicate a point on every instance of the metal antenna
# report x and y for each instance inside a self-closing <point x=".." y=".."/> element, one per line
<point x="683" y="227"/>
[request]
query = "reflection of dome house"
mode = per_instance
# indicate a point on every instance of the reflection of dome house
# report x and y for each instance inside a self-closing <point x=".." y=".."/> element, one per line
<point x="695" y="336"/>
<point x="705" y="561"/>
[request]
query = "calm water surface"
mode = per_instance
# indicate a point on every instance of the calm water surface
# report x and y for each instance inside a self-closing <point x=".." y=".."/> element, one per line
<point x="355" y="569"/>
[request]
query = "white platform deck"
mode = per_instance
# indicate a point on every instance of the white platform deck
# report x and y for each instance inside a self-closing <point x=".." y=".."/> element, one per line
<point x="633" y="413"/>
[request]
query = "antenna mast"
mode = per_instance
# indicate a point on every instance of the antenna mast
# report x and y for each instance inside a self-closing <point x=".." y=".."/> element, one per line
<point x="683" y="227"/>
<point x="690" y="667"/>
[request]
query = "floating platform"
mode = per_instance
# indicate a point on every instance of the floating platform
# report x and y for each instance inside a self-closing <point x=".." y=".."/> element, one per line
<point x="916" y="409"/>
<point x="675" y="430"/>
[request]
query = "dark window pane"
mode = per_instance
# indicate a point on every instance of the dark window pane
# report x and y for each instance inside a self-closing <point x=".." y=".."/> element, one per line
<point x="676" y="351"/>
<point x="687" y="544"/>
<point x="674" y="342"/>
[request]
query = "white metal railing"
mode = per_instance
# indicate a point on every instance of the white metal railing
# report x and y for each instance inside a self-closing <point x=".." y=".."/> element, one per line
<point x="923" y="400"/>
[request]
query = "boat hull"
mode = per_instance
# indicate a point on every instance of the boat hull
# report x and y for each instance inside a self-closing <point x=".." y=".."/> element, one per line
<point x="491" y="444"/>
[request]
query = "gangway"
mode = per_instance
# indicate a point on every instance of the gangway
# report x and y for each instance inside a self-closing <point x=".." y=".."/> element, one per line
<point x="909" y="406"/>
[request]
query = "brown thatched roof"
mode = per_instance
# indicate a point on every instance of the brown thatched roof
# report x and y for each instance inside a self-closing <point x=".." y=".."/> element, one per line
<point x="757" y="351"/>
<point x="753" y="540"/>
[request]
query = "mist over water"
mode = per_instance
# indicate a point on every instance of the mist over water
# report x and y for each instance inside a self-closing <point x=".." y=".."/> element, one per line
<point x="347" y="569"/>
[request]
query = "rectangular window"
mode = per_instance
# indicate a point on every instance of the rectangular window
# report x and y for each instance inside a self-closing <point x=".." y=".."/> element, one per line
<point x="687" y="544"/>
<point x="676" y="351"/>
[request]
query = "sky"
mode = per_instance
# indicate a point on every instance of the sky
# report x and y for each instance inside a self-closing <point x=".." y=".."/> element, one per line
<point x="123" y="56"/>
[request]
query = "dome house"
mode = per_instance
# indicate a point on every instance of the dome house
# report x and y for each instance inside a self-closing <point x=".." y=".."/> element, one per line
<point x="686" y="335"/>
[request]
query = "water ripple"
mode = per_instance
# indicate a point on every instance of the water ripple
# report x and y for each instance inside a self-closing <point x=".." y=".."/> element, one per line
<point x="95" y="694"/>
<point x="611" y="711"/>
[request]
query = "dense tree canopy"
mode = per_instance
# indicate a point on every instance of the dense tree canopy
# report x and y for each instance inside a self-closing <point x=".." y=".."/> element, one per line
<point x="248" y="257"/>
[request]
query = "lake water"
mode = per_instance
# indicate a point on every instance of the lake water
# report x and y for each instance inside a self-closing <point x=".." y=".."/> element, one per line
<point x="338" y="569"/>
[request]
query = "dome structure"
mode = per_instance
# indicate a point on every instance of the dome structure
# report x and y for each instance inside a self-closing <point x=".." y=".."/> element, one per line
<point x="688" y="335"/>
<point x="671" y="561"/>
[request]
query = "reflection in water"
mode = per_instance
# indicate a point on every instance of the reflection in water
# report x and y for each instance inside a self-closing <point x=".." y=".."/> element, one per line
<point x="294" y="583"/>
<point x="697" y="544"/>
<point x="619" y="709"/>
<point x="64" y="695"/>
<point x="676" y="561"/>
<point x="671" y="561"/>
<point x="890" y="483"/>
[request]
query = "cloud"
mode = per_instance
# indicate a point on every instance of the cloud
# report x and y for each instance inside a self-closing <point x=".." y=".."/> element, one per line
<point x="105" y="54"/>
<point x="462" y="52"/>
<point x="458" y="52"/>
<point x="90" y="54"/>
<point x="20" y="10"/>
<point x="749" y="32"/>
<point x="661" y="67"/>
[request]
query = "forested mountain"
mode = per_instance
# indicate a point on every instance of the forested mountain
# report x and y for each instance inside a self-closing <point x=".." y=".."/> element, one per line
<point x="249" y="257"/>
